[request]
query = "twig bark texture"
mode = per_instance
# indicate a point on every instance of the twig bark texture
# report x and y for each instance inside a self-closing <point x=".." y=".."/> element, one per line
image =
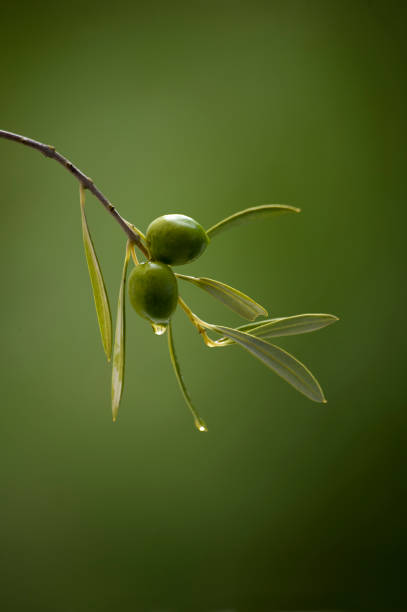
<point x="50" y="151"/>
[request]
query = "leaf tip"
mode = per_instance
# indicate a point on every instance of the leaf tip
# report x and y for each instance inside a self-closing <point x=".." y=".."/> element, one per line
<point x="201" y="425"/>
<point x="257" y="314"/>
<point x="115" y="412"/>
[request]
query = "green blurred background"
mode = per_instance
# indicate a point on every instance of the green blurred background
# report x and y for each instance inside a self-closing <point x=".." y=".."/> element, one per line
<point x="205" y="108"/>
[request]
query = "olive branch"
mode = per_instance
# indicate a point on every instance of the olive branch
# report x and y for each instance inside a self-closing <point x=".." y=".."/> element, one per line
<point x="153" y="290"/>
<point x="85" y="181"/>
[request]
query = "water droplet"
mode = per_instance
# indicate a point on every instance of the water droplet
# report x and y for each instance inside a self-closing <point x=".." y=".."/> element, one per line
<point x="159" y="330"/>
<point x="200" y="425"/>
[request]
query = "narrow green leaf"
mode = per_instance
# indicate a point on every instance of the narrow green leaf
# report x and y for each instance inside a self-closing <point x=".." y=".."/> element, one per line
<point x="119" y="341"/>
<point x="285" y="326"/>
<point x="234" y="299"/>
<point x="199" y="423"/>
<point x="255" y="212"/>
<point x="281" y="362"/>
<point x="98" y="285"/>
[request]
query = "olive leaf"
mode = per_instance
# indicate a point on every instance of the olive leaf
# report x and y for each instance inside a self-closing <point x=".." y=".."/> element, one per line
<point x="278" y="360"/>
<point x="237" y="301"/>
<point x="255" y="212"/>
<point x="199" y="423"/>
<point x="284" y="326"/>
<point x="98" y="285"/>
<point x="119" y="341"/>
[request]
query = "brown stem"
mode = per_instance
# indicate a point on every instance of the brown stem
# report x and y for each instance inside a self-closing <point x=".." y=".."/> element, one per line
<point x="87" y="182"/>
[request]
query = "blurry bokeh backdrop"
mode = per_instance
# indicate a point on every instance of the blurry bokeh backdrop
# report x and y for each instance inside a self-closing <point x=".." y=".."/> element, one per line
<point x="205" y="108"/>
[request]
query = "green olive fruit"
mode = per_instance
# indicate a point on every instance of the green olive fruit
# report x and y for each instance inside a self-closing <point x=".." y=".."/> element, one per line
<point x="153" y="291"/>
<point x="176" y="239"/>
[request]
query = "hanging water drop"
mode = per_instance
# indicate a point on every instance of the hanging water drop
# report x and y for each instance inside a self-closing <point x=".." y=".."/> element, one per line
<point x="159" y="329"/>
<point x="200" y="424"/>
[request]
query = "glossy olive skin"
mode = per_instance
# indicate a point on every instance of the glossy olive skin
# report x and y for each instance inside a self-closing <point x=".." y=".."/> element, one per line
<point x="176" y="239"/>
<point x="153" y="291"/>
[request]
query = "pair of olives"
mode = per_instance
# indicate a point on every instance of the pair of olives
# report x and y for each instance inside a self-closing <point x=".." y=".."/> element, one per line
<point x="172" y="240"/>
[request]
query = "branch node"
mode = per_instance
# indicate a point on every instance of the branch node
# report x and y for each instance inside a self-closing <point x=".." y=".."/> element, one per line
<point x="49" y="151"/>
<point x="88" y="183"/>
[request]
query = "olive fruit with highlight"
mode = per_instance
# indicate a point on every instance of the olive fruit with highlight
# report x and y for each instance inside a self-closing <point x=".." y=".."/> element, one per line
<point x="153" y="291"/>
<point x="176" y="239"/>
